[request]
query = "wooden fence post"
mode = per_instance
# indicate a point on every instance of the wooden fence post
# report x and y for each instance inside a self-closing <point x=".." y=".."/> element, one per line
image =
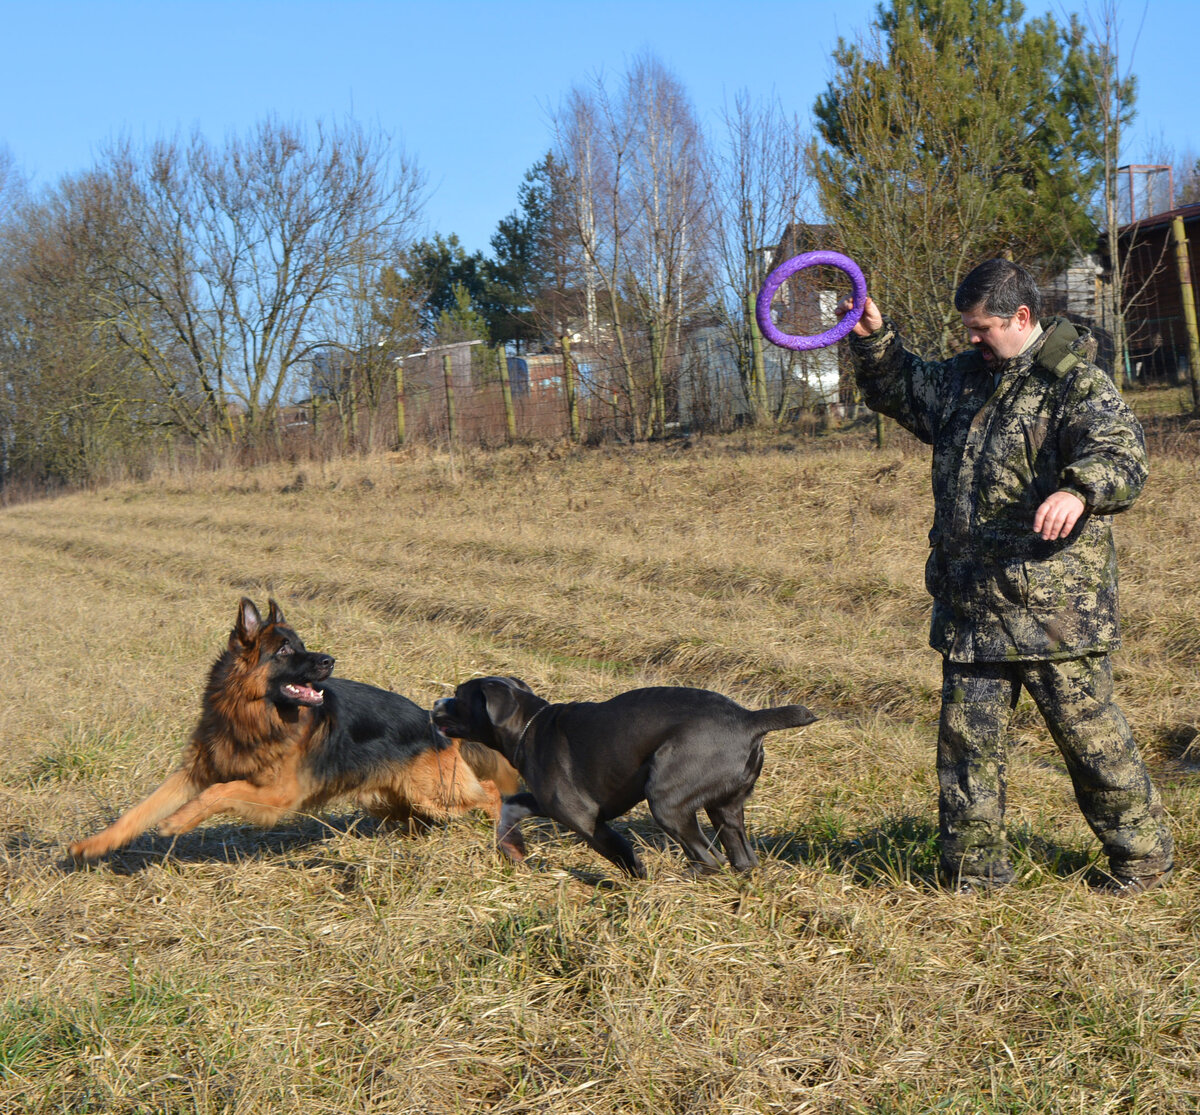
<point x="1179" y="234"/>
<point x="448" y="373"/>
<point x="400" y="416"/>
<point x="510" y="416"/>
<point x="569" y="381"/>
<point x="758" y="364"/>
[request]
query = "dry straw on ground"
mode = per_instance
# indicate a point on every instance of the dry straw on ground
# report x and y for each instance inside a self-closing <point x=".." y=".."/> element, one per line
<point x="322" y="967"/>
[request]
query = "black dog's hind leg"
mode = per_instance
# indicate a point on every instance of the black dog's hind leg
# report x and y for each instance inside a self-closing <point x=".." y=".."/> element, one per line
<point x="681" y="824"/>
<point x="729" y="820"/>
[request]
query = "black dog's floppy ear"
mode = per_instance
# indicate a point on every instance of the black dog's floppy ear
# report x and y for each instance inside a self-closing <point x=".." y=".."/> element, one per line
<point x="248" y="622"/>
<point x="519" y="684"/>
<point x="499" y="700"/>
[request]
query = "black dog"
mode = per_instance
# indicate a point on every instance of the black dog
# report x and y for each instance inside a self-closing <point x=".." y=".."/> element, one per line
<point x="680" y="749"/>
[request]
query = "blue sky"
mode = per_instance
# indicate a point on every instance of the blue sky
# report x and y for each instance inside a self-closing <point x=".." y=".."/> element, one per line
<point x="466" y="86"/>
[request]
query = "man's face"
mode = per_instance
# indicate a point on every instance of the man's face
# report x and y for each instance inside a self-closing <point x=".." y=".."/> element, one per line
<point x="997" y="338"/>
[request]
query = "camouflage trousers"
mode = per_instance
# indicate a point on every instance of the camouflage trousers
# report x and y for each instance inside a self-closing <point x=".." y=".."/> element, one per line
<point x="1112" y="785"/>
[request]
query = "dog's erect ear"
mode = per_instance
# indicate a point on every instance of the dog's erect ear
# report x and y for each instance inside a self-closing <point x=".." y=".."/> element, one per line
<point x="275" y="613"/>
<point x="500" y="699"/>
<point x="248" y="623"/>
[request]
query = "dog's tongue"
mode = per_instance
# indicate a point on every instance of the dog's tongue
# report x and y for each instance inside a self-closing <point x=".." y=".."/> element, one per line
<point x="304" y="694"/>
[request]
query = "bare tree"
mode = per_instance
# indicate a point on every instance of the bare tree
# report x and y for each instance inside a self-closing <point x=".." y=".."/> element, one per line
<point x="73" y="404"/>
<point x="238" y="250"/>
<point x="1187" y="178"/>
<point x="635" y="163"/>
<point x="594" y="142"/>
<point x="759" y="173"/>
<point x="1114" y="88"/>
<point x="12" y="185"/>
<point x="668" y="276"/>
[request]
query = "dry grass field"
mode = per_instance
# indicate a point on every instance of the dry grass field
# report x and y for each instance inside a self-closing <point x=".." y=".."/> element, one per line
<point x="321" y="966"/>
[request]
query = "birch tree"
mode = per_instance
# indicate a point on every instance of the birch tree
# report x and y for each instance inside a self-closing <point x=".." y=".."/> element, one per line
<point x="1114" y="91"/>
<point x="635" y="163"/>
<point x="759" y="169"/>
<point x="595" y="140"/>
<point x="668" y="277"/>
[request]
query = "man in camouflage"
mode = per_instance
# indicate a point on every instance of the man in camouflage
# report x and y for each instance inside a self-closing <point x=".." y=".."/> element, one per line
<point x="1033" y="452"/>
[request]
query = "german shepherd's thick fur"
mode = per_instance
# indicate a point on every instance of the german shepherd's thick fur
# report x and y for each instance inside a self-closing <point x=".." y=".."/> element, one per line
<point x="279" y="735"/>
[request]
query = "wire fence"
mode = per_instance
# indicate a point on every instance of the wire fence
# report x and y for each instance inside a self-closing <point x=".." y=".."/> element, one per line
<point x="465" y="393"/>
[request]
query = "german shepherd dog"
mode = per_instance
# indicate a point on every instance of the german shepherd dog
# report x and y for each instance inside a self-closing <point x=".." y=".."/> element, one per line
<point x="279" y="735"/>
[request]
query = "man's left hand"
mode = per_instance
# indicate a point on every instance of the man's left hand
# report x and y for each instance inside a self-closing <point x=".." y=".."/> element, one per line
<point x="1056" y="518"/>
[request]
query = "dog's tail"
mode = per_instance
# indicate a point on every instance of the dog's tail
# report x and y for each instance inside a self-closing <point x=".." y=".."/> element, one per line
<point x="490" y="765"/>
<point x="776" y="719"/>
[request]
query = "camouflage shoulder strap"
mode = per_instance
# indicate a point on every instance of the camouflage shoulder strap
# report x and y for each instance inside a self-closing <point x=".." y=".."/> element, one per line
<point x="1058" y="355"/>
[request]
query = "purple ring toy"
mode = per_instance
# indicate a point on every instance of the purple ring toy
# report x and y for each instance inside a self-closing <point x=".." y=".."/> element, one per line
<point x="776" y="279"/>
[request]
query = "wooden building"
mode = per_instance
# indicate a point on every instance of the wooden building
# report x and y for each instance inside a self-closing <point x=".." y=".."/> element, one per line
<point x="1158" y="341"/>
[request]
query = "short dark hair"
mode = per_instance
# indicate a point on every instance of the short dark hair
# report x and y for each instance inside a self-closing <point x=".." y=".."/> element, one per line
<point x="999" y="288"/>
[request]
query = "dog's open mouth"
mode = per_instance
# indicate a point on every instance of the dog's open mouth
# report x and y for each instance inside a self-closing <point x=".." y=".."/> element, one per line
<point x="304" y="694"/>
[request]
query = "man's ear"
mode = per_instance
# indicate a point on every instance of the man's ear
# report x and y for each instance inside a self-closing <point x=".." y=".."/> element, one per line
<point x="1023" y="317"/>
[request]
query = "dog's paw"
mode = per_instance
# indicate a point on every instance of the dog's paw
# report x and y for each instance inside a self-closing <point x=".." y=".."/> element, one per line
<point x="512" y="844"/>
<point x="86" y="850"/>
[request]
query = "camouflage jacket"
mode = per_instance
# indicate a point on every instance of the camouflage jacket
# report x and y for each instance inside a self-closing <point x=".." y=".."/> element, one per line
<point x="1054" y="421"/>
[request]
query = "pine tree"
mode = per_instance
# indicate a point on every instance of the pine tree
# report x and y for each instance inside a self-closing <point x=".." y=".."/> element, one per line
<point x="532" y="285"/>
<point x="435" y="268"/>
<point x="957" y="131"/>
